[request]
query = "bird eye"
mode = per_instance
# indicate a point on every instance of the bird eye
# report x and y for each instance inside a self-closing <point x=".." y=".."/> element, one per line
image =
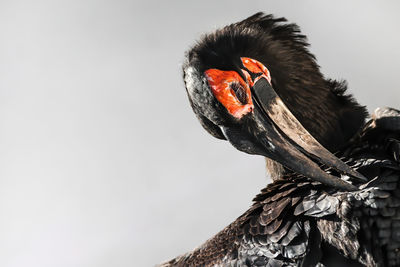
<point x="239" y="92"/>
<point x="231" y="91"/>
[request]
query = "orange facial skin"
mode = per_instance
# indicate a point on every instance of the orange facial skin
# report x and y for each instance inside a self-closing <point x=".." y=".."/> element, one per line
<point x="256" y="67"/>
<point x="220" y="82"/>
<point x="221" y="85"/>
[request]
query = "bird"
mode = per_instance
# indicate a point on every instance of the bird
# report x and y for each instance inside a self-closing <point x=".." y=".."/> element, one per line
<point x="334" y="199"/>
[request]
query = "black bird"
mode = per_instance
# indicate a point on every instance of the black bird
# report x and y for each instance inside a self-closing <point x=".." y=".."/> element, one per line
<point x="335" y="195"/>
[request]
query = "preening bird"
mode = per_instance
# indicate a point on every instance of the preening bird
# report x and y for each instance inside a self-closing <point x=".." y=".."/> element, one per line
<point x="335" y="195"/>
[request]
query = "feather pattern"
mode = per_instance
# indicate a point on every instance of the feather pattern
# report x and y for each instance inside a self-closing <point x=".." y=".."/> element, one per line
<point x="293" y="219"/>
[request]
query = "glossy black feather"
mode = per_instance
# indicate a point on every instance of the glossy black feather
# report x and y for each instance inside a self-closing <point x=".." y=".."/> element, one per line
<point x="295" y="221"/>
<point x="363" y="226"/>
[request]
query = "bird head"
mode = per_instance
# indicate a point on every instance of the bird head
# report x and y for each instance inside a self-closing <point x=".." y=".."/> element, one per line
<point x="241" y="80"/>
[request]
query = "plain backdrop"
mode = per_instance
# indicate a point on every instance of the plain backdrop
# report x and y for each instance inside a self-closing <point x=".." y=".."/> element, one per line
<point x="102" y="162"/>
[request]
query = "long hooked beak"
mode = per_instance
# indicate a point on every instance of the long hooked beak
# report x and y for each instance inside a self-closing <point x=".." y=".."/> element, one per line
<point x="285" y="140"/>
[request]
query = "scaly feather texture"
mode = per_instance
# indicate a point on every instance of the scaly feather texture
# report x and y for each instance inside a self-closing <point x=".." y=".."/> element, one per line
<point x="296" y="222"/>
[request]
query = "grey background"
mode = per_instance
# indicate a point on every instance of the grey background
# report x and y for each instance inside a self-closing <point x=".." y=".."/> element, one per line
<point x="102" y="162"/>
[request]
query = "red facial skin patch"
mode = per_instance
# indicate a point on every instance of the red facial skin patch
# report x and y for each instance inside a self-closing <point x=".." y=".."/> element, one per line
<point x="221" y="85"/>
<point x="256" y="67"/>
<point x="220" y="82"/>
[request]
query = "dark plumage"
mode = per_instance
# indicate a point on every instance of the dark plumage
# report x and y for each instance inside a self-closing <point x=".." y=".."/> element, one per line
<point x="298" y="220"/>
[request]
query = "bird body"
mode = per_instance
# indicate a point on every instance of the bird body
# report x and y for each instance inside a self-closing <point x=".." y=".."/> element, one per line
<point x="255" y="84"/>
<point x="298" y="222"/>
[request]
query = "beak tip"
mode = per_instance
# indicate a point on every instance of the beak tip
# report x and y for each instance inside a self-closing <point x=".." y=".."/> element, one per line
<point x="358" y="175"/>
<point x="341" y="184"/>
